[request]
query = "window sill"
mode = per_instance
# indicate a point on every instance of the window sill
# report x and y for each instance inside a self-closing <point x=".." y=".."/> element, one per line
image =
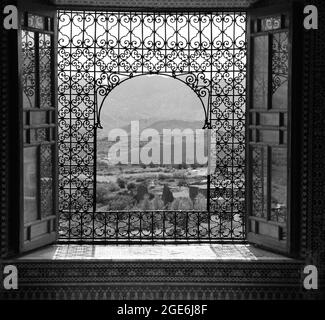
<point x="157" y="252"/>
<point x="173" y="272"/>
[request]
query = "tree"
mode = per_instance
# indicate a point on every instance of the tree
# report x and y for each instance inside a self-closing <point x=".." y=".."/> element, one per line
<point x="131" y="186"/>
<point x="142" y="190"/>
<point x="121" y="183"/>
<point x="167" y="195"/>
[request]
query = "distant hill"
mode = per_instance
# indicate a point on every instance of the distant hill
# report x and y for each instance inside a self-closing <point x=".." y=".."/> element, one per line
<point x="157" y="125"/>
<point x="149" y="99"/>
<point x="103" y="144"/>
<point x="167" y="124"/>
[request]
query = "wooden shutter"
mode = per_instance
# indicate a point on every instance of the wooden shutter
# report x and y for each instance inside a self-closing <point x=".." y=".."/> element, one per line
<point x="271" y="214"/>
<point x="37" y="64"/>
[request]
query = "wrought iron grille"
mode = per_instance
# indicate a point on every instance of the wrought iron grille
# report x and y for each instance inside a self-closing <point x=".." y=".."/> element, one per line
<point x="99" y="50"/>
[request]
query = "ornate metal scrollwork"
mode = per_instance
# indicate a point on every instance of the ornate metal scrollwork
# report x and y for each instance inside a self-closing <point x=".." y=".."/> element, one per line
<point x="97" y="52"/>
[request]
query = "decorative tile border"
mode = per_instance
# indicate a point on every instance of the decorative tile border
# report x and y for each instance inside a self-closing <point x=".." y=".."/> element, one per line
<point x="313" y="182"/>
<point x="318" y="151"/>
<point x="54" y="272"/>
<point x="162" y="280"/>
<point x="4" y="53"/>
<point x="158" y="3"/>
<point x="157" y="292"/>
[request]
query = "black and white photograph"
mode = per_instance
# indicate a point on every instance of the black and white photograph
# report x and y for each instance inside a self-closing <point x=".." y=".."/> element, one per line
<point x="162" y="151"/>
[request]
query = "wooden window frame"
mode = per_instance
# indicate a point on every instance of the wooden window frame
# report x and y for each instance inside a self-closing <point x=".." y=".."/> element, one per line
<point x="13" y="245"/>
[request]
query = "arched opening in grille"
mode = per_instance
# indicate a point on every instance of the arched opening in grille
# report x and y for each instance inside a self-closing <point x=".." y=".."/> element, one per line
<point x="97" y="52"/>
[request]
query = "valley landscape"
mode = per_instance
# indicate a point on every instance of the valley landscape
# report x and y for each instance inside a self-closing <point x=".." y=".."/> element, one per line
<point x="159" y="104"/>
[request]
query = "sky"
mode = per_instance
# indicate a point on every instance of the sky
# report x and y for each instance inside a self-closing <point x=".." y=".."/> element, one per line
<point x="151" y="97"/>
